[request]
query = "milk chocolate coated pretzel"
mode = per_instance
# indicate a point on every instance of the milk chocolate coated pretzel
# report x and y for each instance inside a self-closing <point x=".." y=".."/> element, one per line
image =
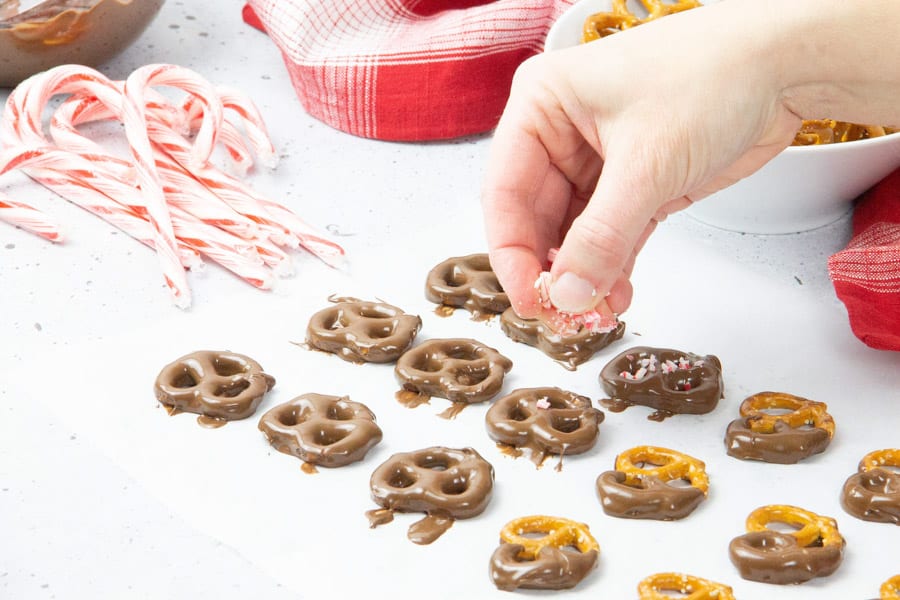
<point x="445" y="483"/>
<point x="571" y="350"/>
<point x="668" y="380"/>
<point x="602" y="24"/>
<point x="815" y="549"/>
<point x="467" y="282"/>
<point x="779" y="438"/>
<point x="643" y="492"/>
<point x="460" y="370"/>
<point x="224" y="385"/>
<point x="330" y="431"/>
<point x="890" y="589"/>
<point x="873" y="493"/>
<point x="545" y="420"/>
<point x="691" y="587"/>
<point x="360" y="331"/>
<point x="558" y="559"/>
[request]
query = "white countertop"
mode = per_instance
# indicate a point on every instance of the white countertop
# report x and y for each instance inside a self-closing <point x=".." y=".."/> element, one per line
<point x="94" y="504"/>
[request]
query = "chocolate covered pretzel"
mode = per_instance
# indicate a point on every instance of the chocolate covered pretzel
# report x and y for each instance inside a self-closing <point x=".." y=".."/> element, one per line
<point x="873" y="492"/>
<point x="330" y="431"/>
<point x="444" y="483"/>
<point x="220" y="385"/>
<point x="360" y="331"/>
<point x="814" y="549"/>
<point x="786" y="438"/>
<point x="461" y="370"/>
<point x="570" y="349"/>
<point x="644" y="492"/>
<point x="467" y="282"/>
<point x="545" y="420"/>
<point x="671" y="381"/>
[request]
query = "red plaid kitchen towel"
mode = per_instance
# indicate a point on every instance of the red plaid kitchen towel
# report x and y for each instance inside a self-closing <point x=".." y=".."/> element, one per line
<point x="866" y="274"/>
<point x="407" y="70"/>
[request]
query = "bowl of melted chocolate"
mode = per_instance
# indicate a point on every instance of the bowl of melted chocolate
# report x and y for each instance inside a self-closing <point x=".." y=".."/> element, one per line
<point x="35" y="36"/>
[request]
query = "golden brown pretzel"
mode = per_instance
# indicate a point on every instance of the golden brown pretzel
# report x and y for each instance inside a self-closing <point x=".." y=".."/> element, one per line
<point x="693" y="588"/>
<point x="558" y="533"/>
<point x="890" y="589"/>
<point x="666" y="465"/>
<point x="813" y="528"/>
<point x="889" y="457"/>
<point x="803" y="412"/>
<point x="601" y="24"/>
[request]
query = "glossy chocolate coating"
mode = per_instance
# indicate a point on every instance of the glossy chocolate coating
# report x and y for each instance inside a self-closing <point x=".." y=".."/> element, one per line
<point x="773" y="557"/>
<point x="569" y="424"/>
<point x="224" y="385"/>
<point x="694" y="390"/>
<point x="654" y="499"/>
<point x="323" y="430"/>
<point x="552" y="569"/>
<point x="460" y="370"/>
<point x="571" y="350"/>
<point x="360" y="331"/>
<point x="467" y="282"/>
<point x="786" y="445"/>
<point x="873" y="495"/>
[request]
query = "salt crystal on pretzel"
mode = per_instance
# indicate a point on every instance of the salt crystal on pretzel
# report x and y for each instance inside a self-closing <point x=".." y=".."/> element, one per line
<point x="29" y="218"/>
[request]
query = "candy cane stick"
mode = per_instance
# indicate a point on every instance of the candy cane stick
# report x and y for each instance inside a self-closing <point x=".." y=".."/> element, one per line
<point x="28" y="218"/>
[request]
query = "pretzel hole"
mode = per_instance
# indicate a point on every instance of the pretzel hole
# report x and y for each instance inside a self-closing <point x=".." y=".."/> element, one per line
<point x="455" y="487"/>
<point x="232" y="389"/>
<point x="775" y="411"/>
<point x="340" y="412"/>
<point x="769" y="543"/>
<point x="683" y="381"/>
<point x="565" y="424"/>
<point x="185" y="379"/>
<point x="456" y="277"/>
<point x="680" y="483"/>
<point x="376" y="312"/>
<point x="471" y="375"/>
<point x="377" y="332"/>
<point x="427" y="363"/>
<point x="518" y="413"/>
<point x="401" y="478"/>
<point x="433" y="463"/>
<point x="329" y="436"/>
<point x="227" y="367"/>
<point x="292" y="417"/>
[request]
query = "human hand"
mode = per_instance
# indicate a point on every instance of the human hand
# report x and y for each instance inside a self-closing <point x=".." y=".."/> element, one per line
<point x="600" y="142"/>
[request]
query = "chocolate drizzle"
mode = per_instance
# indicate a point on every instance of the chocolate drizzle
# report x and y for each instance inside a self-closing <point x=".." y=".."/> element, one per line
<point x="570" y="350"/>
<point x="467" y="282"/>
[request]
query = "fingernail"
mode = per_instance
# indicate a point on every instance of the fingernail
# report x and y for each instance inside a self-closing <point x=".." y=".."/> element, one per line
<point x="571" y="293"/>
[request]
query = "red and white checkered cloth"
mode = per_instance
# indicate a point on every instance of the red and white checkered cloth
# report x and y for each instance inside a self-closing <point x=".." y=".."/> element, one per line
<point x="406" y="70"/>
<point x="866" y="274"/>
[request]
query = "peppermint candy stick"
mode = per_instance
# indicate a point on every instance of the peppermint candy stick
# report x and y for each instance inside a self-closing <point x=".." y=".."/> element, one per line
<point x="28" y="218"/>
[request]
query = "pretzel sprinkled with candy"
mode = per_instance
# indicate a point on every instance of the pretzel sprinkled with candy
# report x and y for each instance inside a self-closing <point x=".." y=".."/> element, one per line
<point x="691" y="587"/>
<point x="620" y="18"/>
<point x="890" y="589"/>
<point x="873" y="492"/>
<point x="814" y="549"/>
<point x="784" y="438"/>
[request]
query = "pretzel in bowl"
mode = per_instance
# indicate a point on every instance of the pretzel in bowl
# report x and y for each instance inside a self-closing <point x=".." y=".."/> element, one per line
<point x="873" y="492"/>
<point x="444" y="483"/>
<point x="890" y="589"/>
<point x="463" y="371"/>
<point x="690" y="587"/>
<point x="620" y="18"/>
<point x="671" y="381"/>
<point x="466" y="282"/>
<point x="360" y="331"/>
<point x="330" y="431"/>
<point x="543" y="552"/>
<point x="814" y="549"/>
<point x="806" y="429"/>
<point x="545" y="421"/>
<point x="219" y="386"/>
<point x="639" y="486"/>
<point x="828" y="131"/>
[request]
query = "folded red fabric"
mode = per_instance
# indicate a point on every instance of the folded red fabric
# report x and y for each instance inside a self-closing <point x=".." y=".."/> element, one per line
<point x="866" y="274"/>
<point x="407" y="70"/>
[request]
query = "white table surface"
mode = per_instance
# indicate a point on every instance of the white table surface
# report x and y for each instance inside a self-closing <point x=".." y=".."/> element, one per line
<point x="97" y="504"/>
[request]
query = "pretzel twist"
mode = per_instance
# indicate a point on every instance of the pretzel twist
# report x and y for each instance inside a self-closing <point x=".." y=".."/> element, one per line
<point x="890" y="589"/>
<point x="693" y="588"/>
<point x="558" y="532"/>
<point x="889" y="457"/>
<point x="667" y="465"/>
<point x="811" y="527"/>
<point x="803" y="412"/>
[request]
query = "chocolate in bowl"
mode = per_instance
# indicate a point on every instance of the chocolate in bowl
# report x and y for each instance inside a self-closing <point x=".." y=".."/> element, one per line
<point x="57" y="32"/>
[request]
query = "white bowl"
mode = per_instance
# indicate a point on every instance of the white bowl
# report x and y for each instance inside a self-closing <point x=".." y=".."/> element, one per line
<point x="802" y="188"/>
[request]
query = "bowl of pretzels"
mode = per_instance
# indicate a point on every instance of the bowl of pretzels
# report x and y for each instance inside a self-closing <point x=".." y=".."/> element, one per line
<point x="810" y="184"/>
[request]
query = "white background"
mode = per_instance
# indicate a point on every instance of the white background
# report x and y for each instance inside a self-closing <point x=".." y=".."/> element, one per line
<point x="103" y="495"/>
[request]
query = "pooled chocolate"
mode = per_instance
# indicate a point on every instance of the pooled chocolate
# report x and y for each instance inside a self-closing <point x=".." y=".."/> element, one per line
<point x="444" y="483"/>
<point x="571" y="350"/>
<point x="218" y="385"/>
<point x="873" y="493"/>
<point x="467" y="282"/>
<point x="651" y="498"/>
<point x="671" y="381"/>
<point x="330" y="431"/>
<point x="552" y="569"/>
<point x="545" y="420"/>
<point x="779" y="438"/>
<point x="360" y="331"/>
<point x="461" y="370"/>
<point x="774" y="557"/>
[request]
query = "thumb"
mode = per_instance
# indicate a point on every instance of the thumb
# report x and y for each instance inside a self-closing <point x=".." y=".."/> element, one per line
<point x="603" y="238"/>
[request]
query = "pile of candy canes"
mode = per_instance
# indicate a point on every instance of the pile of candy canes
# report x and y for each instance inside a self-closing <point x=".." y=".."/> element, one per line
<point x="166" y="193"/>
